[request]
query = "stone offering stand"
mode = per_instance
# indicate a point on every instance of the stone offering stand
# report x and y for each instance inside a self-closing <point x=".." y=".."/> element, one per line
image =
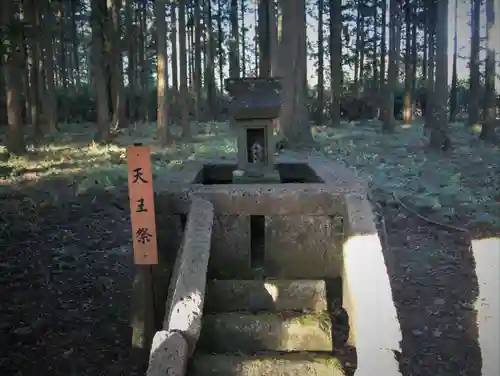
<point x="259" y="248"/>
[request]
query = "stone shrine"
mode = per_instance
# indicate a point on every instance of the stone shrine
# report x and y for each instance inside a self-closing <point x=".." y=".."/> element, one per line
<point x="255" y="103"/>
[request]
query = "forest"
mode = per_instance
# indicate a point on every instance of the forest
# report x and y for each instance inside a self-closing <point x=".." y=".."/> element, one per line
<point x="378" y="85"/>
<point x="105" y="62"/>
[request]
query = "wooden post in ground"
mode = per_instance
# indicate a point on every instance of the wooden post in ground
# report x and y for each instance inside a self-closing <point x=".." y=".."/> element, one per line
<point x="144" y="310"/>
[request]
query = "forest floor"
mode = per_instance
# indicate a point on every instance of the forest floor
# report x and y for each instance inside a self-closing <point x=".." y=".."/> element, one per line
<point x="66" y="265"/>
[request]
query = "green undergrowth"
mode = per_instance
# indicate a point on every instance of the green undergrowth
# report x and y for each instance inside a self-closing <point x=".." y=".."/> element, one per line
<point x="466" y="179"/>
<point x="399" y="164"/>
<point x="84" y="164"/>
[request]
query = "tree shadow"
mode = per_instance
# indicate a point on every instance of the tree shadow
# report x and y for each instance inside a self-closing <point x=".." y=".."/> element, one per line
<point x="434" y="287"/>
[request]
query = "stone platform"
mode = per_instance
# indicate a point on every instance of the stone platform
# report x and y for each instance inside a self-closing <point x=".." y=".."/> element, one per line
<point x="318" y="225"/>
<point x="303" y="220"/>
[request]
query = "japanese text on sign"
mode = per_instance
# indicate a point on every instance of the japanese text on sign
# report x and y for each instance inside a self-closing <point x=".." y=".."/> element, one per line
<point x="142" y="210"/>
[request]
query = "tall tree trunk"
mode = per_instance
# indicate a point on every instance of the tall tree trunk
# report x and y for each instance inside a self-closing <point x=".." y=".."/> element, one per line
<point x="358" y="47"/>
<point x="48" y="62"/>
<point x="173" y="42"/>
<point x="362" y="42"/>
<point x="274" y="51"/>
<point x="97" y="24"/>
<point x="454" y="78"/>
<point x="389" y="122"/>
<point x="273" y="36"/>
<point x="264" y="39"/>
<point x="243" y="39"/>
<point x="234" y="56"/>
<point x="62" y="45"/>
<point x="489" y="109"/>
<point x="197" y="58"/>
<point x="210" y="73"/>
<point x="143" y="62"/>
<point x="220" y="37"/>
<point x="256" y="39"/>
<point x="11" y="63"/>
<point x="69" y="46"/>
<point x="429" y="84"/>
<point x="161" y="48"/>
<point x="439" y="132"/>
<point x="75" y="5"/>
<point x="186" y="133"/>
<point x="174" y="95"/>
<point x="25" y="92"/>
<point x="383" y="44"/>
<point x="424" y="43"/>
<point x="474" y="88"/>
<point x="335" y="58"/>
<point x="407" y="114"/>
<point x="321" y="52"/>
<point x="116" y="71"/>
<point x="414" y="55"/>
<point x="191" y="48"/>
<point x="293" y="117"/>
<point x="131" y="38"/>
<point x="35" y="72"/>
<point x="375" y="53"/>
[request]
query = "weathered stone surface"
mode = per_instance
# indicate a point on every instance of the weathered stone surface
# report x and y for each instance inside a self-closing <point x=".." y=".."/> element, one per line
<point x="363" y="274"/>
<point x="230" y="253"/>
<point x="337" y="176"/>
<point x="245" y="333"/>
<point x="257" y="199"/>
<point x="169" y="242"/>
<point x="184" y="307"/>
<point x="282" y="365"/>
<point x="303" y="247"/>
<point x="271" y="295"/>
<point x="169" y="354"/>
<point x="272" y="199"/>
<point x="263" y="199"/>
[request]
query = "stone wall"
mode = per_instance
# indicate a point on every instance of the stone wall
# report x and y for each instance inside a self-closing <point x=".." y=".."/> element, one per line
<point x="303" y="230"/>
<point x="172" y="346"/>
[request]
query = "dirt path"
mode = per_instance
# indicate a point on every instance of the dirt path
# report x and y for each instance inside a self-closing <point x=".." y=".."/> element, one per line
<point x="434" y="286"/>
<point x="66" y="280"/>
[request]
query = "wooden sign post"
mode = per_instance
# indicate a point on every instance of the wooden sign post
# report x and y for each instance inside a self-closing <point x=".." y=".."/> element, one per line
<point x="142" y="209"/>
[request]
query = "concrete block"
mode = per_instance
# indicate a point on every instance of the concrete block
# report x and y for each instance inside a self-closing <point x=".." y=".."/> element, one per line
<point x="366" y="284"/>
<point x="184" y="307"/>
<point x="246" y="333"/>
<point x="169" y="354"/>
<point x="230" y="253"/>
<point x="303" y="247"/>
<point x="270" y="295"/>
<point x="376" y="362"/>
<point x="282" y="365"/>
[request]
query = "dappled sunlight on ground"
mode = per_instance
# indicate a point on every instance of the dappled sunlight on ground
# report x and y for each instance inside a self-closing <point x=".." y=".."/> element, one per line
<point x="464" y="180"/>
<point x="74" y="156"/>
<point x="400" y="164"/>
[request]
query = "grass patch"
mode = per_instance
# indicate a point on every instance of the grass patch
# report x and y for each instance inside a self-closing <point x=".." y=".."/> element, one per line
<point x="464" y="181"/>
<point x="84" y="164"/>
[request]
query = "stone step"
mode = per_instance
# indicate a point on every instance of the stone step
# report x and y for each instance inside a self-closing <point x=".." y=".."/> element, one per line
<point x="297" y="364"/>
<point x="267" y="295"/>
<point x="247" y="333"/>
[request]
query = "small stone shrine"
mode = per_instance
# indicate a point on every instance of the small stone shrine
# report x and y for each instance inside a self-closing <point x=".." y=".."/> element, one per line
<point x="255" y="103"/>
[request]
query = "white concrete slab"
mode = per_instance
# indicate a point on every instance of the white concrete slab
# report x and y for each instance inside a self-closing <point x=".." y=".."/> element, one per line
<point x="487" y="256"/>
<point x="367" y="294"/>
